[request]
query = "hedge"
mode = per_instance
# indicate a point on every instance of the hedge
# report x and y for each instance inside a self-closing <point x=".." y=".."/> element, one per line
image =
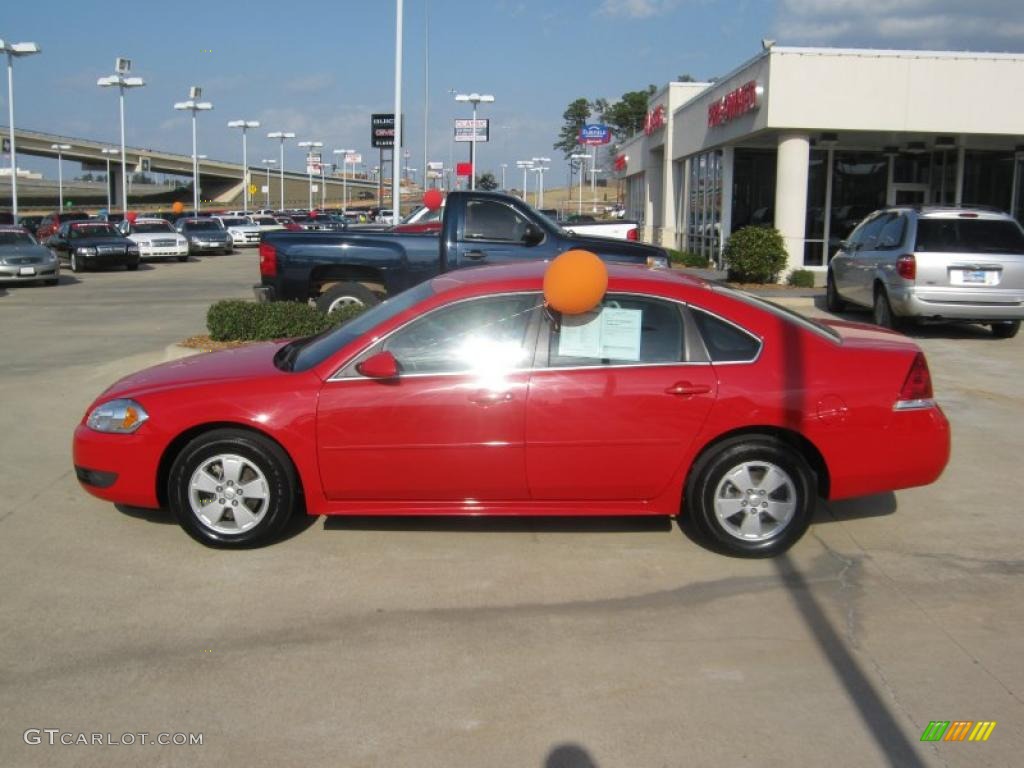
<point x="801" y="278"/>
<point x="755" y="255"/>
<point x="687" y="259"/>
<point x="239" y="320"/>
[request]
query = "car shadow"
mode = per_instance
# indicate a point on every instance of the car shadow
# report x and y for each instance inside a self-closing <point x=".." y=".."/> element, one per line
<point x="298" y="523"/>
<point x="62" y="279"/>
<point x="460" y="524"/>
<point x="915" y="330"/>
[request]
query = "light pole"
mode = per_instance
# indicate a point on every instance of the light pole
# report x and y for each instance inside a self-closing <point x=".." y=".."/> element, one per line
<point x="60" y="172"/>
<point x="539" y="166"/>
<point x="245" y="125"/>
<point x="194" y="106"/>
<point x="526" y="165"/>
<point x="475" y="99"/>
<point x="344" y="177"/>
<point x="266" y="195"/>
<point x="14" y="51"/>
<point x="108" y="151"/>
<point x="581" y="159"/>
<point x="122" y="67"/>
<point x="282" y="135"/>
<point x="310" y="146"/>
<point x="503" y="167"/>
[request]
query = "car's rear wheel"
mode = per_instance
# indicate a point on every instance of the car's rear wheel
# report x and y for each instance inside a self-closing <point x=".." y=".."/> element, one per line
<point x="345" y="294"/>
<point x="882" y="311"/>
<point x="1006" y="330"/>
<point x="752" y="496"/>
<point x="833" y="301"/>
<point x="232" y="488"/>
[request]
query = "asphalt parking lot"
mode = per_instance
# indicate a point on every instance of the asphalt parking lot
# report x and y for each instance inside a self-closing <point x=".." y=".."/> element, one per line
<point x="381" y="642"/>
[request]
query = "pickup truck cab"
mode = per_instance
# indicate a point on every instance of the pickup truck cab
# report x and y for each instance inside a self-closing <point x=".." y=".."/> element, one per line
<point x="477" y="228"/>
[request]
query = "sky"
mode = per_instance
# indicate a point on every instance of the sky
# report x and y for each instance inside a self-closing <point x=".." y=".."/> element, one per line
<point x="322" y="68"/>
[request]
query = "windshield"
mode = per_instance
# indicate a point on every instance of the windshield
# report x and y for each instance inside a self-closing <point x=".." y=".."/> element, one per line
<point x="310" y="352"/>
<point x="203" y="226"/>
<point x="152" y="226"/>
<point x="93" y="230"/>
<point x="958" y="235"/>
<point x="235" y="222"/>
<point x="16" y="238"/>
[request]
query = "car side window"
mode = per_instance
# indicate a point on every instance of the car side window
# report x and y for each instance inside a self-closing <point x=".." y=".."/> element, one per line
<point x="490" y="220"/>
<point x="891" y="235"/>
<point x="725" y="342"/>
<point x="487" y="335"/>
<point x="872" y="229"/>
<point x="624" y="330"/>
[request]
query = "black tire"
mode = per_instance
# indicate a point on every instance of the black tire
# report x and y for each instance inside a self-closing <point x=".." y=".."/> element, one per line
<point x="132" y="267"/>
<point x="345" y="293"/>
<point x="52" y="281"/>
<point x="255" y="454"/>
<point x="765" y="460"/>
<point x="882" y="311"/>
<point x="75" y="266"/>
<point x="183" y="258"/>
<point x="1006" y="330"/>
<point x="833" y="301"/>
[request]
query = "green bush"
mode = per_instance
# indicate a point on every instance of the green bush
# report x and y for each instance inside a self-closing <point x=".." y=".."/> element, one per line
<point x="687" y="259"/>
<point x="755" y="255"/>
<point x="801" y="278"/>
<point x="238" y="320"/>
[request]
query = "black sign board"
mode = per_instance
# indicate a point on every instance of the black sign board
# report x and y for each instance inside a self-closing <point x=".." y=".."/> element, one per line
<point x="382" y="130"/>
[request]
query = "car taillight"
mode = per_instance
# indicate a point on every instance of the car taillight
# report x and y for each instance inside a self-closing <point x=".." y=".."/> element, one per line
<point x="268" y="260"/>
<point x="918" y="384"/>
<point x="906" y="266"/>
<point x="633" y="234"/>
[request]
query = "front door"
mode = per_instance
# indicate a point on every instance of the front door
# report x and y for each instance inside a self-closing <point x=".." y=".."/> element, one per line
<point x="450" y="426"/>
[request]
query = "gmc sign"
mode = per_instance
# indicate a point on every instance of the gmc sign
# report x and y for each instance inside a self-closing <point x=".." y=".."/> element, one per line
<point x="739" y="102"/>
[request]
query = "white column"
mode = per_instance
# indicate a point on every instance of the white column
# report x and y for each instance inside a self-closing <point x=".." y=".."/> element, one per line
<point x="725" y="225"/>
<point x="791" y="195"/>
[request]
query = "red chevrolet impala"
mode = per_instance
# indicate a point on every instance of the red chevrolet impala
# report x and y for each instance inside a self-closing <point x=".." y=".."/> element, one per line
<point x="467" y="396"/>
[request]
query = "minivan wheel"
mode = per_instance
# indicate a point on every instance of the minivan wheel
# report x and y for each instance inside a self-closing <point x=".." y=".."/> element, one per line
<point x="345" y="294"/>
<point x="882" y="311"/>
<point x="1006" y="330"/>
<point x="833" y="302"/>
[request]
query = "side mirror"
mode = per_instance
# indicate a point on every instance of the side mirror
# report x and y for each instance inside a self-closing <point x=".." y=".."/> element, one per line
<point x="532" y="235"/>
<point x="379" y="366"/>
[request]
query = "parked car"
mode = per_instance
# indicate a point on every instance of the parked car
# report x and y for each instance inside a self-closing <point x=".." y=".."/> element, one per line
<point x="466" y="395"/>
<point x="933" y="264"/>
<point x="205" y="235"/>
<point x="90" y="244"/>
<point x="50" y="224"/>
<point x="24" y="260"/>
<point x="267" y="223"/>
<point x="156" y="239"/>
<point x="243" y="232"/>
<point x="421" y="220"/>
<point x="30" y="223"/>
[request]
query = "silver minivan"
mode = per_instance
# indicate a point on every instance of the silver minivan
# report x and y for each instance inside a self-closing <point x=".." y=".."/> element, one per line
<point x="933" y="264"/>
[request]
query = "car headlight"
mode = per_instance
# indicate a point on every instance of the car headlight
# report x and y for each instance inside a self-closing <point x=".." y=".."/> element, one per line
<point x="118" y="416"/>
<point x="86" y="251"/>
<point x="182" y="242"/>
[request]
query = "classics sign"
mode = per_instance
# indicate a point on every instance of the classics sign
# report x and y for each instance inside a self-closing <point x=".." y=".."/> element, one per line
<point x="738" y="102"/>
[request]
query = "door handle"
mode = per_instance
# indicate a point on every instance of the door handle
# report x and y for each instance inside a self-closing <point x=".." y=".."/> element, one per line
<point x="475" y="254"/>
<point x="487" y="397"/>
<point x="685" y="389"/>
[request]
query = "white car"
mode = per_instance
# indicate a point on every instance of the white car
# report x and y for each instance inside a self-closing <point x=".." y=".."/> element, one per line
<point x="243" y="232"/>
<point x="267" y="223"/>
<point x="156" y="239"/>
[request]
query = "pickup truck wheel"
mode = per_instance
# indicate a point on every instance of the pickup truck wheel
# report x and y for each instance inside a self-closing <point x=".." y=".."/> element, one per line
<point x="342" y="294"/>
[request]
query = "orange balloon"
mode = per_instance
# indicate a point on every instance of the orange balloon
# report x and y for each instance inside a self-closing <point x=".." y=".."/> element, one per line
<point x="575" y="282"/>
<point x="178" y="207"/>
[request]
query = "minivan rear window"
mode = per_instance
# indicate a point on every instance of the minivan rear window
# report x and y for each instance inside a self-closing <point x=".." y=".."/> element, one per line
<point x="949" y="235"/>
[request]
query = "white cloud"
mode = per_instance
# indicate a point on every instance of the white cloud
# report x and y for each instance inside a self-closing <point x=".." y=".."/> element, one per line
<point x="311" y="83"/>
<point x="993" y="25"/>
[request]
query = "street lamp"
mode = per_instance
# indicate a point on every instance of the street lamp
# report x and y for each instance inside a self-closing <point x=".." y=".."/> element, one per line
<point x="526" y="165"/>
<point x="60" y="172"/>
<point x="503" y="167"/>
<point x="282" y="135"/>
<point x="122" y="67"/>
<point x="538" y="163"/>
<point x="474" y="99"/>
<point x="581" y="159"/>
<point x="14" y="51"/>
<point x="266" y="194"/>
<point x="245" y="125"/>
<point x="108" y="151"/>
<point x="344" y="177"/>
<point x="310" y="146"/>
<point x="194" y="106"/>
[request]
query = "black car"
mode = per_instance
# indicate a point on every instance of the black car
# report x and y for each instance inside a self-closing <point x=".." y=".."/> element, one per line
<point x="89" y="244"/>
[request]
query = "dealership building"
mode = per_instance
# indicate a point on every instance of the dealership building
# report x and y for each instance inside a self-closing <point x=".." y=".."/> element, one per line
<point x="810" y="140"/>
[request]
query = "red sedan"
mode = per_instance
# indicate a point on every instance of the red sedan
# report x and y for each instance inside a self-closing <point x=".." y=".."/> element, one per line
<point x="467" y="396"/>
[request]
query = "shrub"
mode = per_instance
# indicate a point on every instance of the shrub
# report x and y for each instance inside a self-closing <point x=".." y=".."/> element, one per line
<point x="687" y="259"/>
<point x="801" y="278"/>
<point x="238" y="320"/>
<point x="755" y="255"/>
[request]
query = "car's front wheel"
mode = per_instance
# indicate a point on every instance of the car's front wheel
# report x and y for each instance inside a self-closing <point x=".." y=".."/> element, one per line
<point x="232" y="488"/>
<point x="833" y="301"/>
<point x="753" y="496"/>
<point x="1006" y="330"/>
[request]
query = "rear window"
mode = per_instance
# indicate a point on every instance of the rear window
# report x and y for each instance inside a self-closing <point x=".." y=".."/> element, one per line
<point x="725" y="342"/>
<point x="969" y="236"/>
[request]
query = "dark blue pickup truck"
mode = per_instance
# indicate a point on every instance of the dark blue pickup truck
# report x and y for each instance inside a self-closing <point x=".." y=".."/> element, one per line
<point x="362" y="267"/>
